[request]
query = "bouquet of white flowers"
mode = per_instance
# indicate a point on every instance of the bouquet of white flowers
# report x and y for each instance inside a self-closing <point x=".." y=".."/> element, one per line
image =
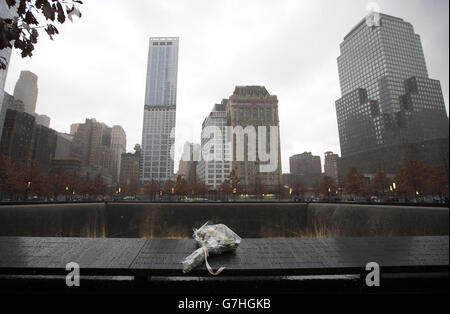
<point x="212" y="239"/>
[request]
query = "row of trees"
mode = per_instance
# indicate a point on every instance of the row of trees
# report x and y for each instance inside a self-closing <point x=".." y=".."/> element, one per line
<point x="194" y="186"/>
<point x="414" y="180"/>
<point x="180" y="187"/>
<point x="19" y="181"/>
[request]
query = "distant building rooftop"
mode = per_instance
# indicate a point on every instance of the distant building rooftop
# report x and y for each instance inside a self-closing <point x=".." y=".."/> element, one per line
<point x="382" y="15"/>
<point x="245" y="91"/>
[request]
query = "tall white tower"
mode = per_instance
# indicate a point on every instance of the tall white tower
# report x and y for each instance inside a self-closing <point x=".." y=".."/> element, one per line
<point x="158" y="132"/>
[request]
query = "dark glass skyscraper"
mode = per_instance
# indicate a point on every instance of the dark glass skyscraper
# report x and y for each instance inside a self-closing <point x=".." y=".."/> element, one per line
<point x="5" y="55"/>
<point x="379" y="59"/>
<point x="390" y="111"/>
<point x="158" y="132"/>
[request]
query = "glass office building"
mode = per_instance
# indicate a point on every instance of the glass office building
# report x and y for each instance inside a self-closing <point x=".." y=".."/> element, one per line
<point x="390" y="109"/>
<point x="5" y="55"/>
<point x="379" y="59"/>
<point x="158" y="132"/>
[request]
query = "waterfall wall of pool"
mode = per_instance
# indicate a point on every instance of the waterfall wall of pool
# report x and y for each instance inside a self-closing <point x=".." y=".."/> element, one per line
<point x="249" y="220"/>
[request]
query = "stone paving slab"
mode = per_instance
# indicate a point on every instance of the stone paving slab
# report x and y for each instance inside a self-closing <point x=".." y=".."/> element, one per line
<point x="277" y="257"/>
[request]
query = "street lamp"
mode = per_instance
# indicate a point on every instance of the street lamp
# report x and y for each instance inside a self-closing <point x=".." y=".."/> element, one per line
<point x="26" y="190"/>
<point x="392" y="188"/>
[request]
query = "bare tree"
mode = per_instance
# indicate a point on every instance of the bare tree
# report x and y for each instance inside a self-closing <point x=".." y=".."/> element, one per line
<point x="327" y="187"/>
<point x="22" y="30"/>
<point x="355" y="184"/>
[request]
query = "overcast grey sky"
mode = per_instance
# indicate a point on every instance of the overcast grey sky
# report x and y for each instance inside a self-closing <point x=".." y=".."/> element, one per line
<point x="96" y="67"/>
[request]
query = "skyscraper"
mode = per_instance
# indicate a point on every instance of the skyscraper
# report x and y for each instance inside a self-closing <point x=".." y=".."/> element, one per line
<point x="129" y="166"/>
<point x="63" y="143"/>
<point x="74" y="128"/>
<point x="26" y="142"/>
<point x="87" y="138"/>
<point x="26" y="90"/>
<point x="305" y="170"/>
<point x="119" y="146"/>
<point x="331" y="165"/>
<point x="44" y="147"/>
<point x="158" y="131"/>
<point x="17" y="137"/>
<point x="254" y="107"/>
<point x="390" y="111"/>
<point x="5" y="55"/>
<point x="96" y="145"/>
<point x="305" y="163"/>
<point x="214" y="172"/>
<point x="43" y="120"/>
<point x="9" y="102"/>
<point x="189" y="160"/>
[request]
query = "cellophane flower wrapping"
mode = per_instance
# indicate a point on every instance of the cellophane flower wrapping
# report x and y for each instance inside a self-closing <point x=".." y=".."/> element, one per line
<point x="215" y="238"/>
